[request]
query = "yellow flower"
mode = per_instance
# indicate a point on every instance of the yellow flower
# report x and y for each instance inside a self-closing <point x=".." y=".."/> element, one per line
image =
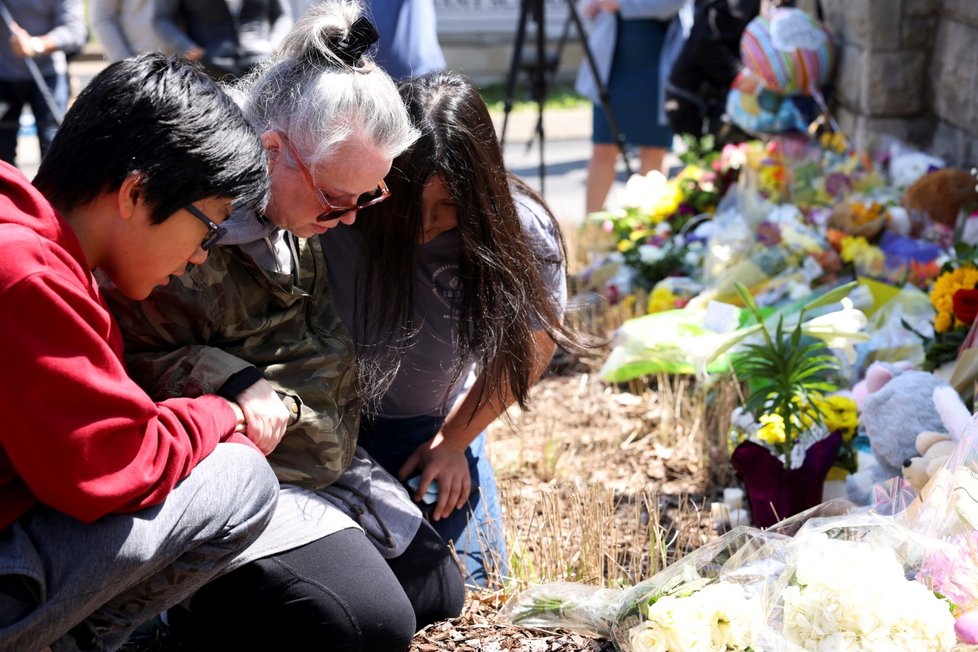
<point x="852" y="247"/>
<point x="662" y="298"/>
<point x="772" y="429"/>
<point x="942" y="294"/>
<point x="839" y="413"/>
<point x="942" y="322"/>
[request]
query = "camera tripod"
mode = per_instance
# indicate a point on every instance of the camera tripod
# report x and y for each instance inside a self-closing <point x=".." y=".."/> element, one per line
<point x="543" y="69"/>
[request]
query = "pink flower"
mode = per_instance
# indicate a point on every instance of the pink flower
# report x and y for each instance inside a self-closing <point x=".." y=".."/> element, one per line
<point x="966" y="627"/>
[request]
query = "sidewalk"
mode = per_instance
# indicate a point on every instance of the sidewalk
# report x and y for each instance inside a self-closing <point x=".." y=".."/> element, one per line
<point x="567" y="147"/>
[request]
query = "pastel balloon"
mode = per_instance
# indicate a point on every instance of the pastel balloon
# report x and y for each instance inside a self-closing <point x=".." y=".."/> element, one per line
<point x="790" y="52"/>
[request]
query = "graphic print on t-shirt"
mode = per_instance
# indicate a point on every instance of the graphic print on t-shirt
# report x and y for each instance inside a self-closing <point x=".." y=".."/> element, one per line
<point x="446" y="285"/>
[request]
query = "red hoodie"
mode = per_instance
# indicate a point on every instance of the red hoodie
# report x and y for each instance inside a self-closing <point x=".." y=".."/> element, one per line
<point x="75" y="432"/>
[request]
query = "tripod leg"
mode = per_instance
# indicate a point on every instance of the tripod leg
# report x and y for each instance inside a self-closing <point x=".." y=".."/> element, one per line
<point x="514" y="68"/>
<point x="602" y="89"/>
<point x="552" y="70"/>
<point x="540" y="81"/>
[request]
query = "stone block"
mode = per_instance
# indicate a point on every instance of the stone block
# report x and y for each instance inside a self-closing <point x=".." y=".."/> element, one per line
<point x="848" y="77"/>
<point x="952" y="144"/>
<point x="868" y="24"/>
<point x="893" y="83"/>
<point x="917" y="32"/>
<point x="953" y="74"/>
<point x="870" y="134"/>
<point x="848" y="120"/>
<point x="834" y="15"/>
<point x="921" y="8"/>
<point x="963" y="10"/>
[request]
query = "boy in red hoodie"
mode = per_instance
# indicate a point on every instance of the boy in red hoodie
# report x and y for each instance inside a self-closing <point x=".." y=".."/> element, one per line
<point x="114" y="507"/>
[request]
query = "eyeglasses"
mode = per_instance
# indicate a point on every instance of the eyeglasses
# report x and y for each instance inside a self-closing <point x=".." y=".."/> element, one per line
<point x="214" y="232"/>
<point x="375" y="196"/>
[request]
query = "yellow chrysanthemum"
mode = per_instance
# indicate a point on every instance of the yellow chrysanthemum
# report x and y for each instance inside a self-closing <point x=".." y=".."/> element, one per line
<point x="942" y="294"/>
<point x="662" y="298"/>
<point x="839" y="413"/>
<point x="856" y="249"/>
<point x="772" y="429"/>
<point x="943" y="322"/>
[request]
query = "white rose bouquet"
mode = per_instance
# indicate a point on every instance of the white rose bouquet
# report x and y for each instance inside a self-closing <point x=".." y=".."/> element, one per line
<point x="849" y="595"/>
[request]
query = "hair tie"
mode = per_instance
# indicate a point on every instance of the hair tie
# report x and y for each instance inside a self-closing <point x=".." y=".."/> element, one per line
<point x="361" y="36"/>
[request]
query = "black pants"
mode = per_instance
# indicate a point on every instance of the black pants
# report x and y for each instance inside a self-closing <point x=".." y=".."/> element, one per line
<point x="335" y="594"/>
<point x="699" y="115"/>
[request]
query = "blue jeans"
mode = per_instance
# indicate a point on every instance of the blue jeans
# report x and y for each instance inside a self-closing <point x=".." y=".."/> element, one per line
<point x="18" y="93"/>
<point x="476" y="530"/>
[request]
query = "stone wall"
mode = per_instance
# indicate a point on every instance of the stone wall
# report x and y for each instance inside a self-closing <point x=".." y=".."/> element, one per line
<point x="909" y="68"/>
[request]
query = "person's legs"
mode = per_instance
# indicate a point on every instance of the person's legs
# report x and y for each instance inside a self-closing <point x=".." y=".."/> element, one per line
<point x="600" y="175"/>
<point x="47" y="125"/>
<point x="13" y="95"/>
<point x="336" y="593"/>
<point x="430" y="577"/>
<point x="87" y="586"/>
<point x="651" y="158"/>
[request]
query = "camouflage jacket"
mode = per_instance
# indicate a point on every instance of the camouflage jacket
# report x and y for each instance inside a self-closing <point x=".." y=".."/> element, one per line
<point x="189" y="337"/>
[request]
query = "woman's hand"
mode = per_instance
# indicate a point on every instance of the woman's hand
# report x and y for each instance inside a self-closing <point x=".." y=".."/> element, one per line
<point x="266" y="416"/>
<point x="438" y="459"/>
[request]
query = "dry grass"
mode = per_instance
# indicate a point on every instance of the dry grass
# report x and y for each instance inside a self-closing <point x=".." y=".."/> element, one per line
<point x="603" y="486"/>
<point x="600" y="484"/>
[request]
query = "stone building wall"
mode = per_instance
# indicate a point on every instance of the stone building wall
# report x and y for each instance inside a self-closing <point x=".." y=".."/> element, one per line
<point x="909" y="68"/>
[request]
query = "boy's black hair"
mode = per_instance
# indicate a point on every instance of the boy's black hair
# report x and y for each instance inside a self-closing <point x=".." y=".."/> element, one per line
<point x="165" y="120"/>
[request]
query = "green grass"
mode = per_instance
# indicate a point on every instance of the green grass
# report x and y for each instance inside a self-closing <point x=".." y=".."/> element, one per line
<point x="560" y="96"/>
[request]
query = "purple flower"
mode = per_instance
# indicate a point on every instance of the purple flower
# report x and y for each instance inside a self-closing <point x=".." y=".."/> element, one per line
<point x="838" y="184"/>
<point x="768" y="234"/>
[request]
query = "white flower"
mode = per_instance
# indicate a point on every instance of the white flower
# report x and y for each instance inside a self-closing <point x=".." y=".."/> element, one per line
<point x="839" y="329"/>
<point x="648" y="637"/>
<point x="850" y="596"/>
<point x="645" y="192"/>
<point x="650" y="254"/>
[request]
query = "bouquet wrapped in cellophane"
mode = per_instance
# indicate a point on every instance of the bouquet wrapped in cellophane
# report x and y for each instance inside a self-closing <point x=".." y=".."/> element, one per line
<point x="836" y="577"/>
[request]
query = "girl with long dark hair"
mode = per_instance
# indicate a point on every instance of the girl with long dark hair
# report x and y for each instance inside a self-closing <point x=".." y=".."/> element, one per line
<point x="453" y="291"/>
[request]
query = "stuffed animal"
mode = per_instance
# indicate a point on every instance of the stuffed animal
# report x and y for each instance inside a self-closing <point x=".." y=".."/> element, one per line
<point x="941" y="194"/>
<point x="898" y="407"/>
<point x="934" y="448"/>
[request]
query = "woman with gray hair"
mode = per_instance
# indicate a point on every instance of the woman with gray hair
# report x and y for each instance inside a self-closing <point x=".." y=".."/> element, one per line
<point x="347" y="558"/>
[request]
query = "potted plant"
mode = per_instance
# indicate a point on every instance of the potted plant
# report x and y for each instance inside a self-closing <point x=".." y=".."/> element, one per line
<point x="785" y="448"/>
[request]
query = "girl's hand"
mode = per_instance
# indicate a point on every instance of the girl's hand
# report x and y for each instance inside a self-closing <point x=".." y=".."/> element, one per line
<point x="441" y="460"/>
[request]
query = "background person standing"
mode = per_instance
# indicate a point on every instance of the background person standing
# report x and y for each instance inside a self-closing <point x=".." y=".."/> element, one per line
<point x="228" y="37"/>
<point x="43" y="30"/>
<point x="634" y="43"/>
<point x="125" y="27"/>
<point x="408" y="30"/>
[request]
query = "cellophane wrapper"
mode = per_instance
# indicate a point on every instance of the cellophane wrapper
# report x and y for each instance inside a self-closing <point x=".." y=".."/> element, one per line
<point x="907" y="573"/>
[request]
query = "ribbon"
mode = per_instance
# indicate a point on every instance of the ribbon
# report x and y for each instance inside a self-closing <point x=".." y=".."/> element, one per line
<point x="361" y="36"/>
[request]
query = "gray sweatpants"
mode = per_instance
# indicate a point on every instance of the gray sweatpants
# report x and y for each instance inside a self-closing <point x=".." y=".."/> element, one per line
<point x="78" y="586"/>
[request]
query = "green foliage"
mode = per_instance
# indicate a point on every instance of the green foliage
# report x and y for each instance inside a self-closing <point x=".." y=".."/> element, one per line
<point x="559" y="96"/>
<point x="785" y="375"/>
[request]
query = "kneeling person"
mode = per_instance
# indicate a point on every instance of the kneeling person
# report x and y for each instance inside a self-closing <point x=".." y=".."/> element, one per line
<point x="114" y="507"/>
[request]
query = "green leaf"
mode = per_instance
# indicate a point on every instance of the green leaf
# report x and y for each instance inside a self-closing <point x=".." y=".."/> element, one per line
<point x="832" y="296"/>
